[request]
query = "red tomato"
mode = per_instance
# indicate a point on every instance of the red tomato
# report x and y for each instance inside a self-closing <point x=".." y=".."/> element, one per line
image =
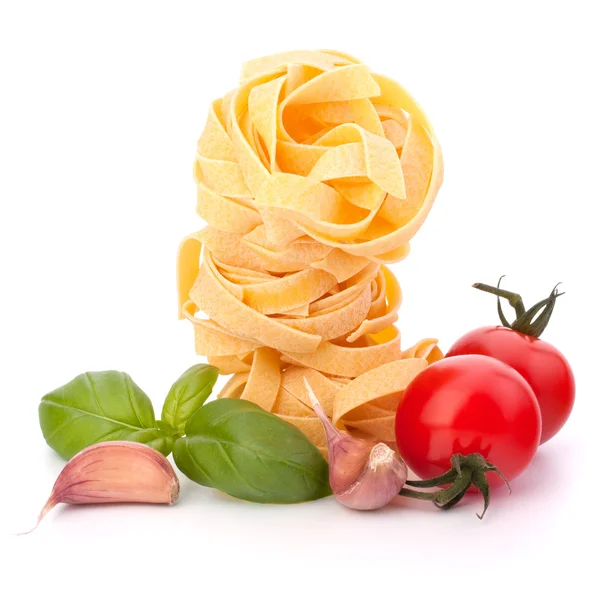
<point x="541" y="364"/>
<point x="468" y="404"/>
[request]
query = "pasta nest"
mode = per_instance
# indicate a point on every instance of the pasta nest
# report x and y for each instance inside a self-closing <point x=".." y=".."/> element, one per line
<point x="312" y="175"/>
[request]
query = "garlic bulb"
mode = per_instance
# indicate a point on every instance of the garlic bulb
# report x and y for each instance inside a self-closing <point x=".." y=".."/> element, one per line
<point x="363" y="475"/>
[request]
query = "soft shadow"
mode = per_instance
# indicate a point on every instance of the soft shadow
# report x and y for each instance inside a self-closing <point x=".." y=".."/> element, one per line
<point x="66" y="511"/>
<point x="192" y="493"/>
<point x="413" y="504"/>
<point x="538" y="477"/>
<point x="72" y="510"/>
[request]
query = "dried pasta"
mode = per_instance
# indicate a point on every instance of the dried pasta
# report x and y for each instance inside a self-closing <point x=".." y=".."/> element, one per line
<point x="312" y="175"/>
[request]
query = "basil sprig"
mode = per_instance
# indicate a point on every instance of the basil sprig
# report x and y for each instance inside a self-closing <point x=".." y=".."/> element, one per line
<point x="229" y="444"/>
<point x="237" y="447"/>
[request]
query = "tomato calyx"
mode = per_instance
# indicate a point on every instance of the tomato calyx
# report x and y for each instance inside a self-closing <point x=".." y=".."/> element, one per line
<point x="526" y="321"/>
<point x="466" y="470"/>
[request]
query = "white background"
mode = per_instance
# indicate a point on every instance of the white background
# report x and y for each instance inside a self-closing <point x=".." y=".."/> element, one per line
<point x="101" y="106"/>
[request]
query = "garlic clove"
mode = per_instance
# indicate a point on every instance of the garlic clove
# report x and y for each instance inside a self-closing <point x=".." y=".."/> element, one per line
<point x="115" y="472"/>
<point x="348" y="453"/>
<point x="380" y="481"/>
<point x="363" y="474"/>
<point x="349" y="456"/>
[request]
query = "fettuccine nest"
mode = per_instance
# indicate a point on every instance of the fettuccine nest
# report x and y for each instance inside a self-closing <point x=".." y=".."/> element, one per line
<point x="311" y="175"/>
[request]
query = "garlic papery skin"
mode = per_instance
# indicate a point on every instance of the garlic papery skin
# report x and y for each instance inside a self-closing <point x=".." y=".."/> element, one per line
<point x="115" y="472"/>
<point x="363" y="474"/>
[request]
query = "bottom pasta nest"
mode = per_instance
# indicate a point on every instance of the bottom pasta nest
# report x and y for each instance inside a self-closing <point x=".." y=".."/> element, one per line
<point x="327" y="318"/>
<point x="363" y="406"/>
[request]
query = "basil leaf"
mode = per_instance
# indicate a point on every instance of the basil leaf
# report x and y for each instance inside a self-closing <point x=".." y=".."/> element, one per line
<point x="99" y="406"/>
<point x="188" y="394"/>
<point x="237" y="447"/>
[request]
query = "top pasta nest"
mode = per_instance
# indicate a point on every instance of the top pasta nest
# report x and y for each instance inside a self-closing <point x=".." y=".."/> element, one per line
<point x="313" y="144"/>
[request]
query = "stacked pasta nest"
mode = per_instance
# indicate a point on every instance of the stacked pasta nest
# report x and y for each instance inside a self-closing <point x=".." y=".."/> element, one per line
<point x="312" y="175"/>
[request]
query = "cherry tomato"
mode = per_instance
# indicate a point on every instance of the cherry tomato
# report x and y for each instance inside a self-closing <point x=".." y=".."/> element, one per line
<point x="543" y="366"/>
<point x="468" y="404"/>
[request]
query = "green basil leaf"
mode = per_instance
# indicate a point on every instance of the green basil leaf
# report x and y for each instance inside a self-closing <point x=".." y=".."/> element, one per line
<point x="237" y="447"/>
<point x="99" y="406"/>
<point x="188" y="394"/>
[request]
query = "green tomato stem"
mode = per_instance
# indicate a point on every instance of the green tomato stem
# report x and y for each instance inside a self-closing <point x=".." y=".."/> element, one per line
<point x="527" y="321"/>
<point x="465" y="471"/>
<point x="446" y="478"/>
<point x="514" y="299"/>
